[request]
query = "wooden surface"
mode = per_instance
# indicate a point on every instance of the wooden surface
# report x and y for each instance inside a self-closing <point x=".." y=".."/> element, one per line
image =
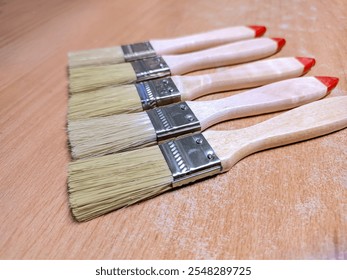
<point x="285" y="203"/>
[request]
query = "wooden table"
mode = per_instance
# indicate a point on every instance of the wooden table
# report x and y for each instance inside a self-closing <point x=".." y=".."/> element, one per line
<point x="285" y="203"/>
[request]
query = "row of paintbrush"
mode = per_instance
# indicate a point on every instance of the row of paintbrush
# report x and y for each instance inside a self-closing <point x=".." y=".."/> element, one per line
<point x="129" y="141"/>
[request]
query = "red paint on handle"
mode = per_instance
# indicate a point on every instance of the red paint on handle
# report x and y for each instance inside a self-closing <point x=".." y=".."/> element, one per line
<point x="280" y="43"/>
<point x="329" y="82"/>
<point x="307" y="62"/>
<point x="258" y="29"/>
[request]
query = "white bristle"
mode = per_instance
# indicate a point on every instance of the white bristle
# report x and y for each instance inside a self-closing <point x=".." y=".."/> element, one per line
<point x="93" y="77"/>
<point x="102" y="56"/>
<point x="106" y="135"/>
<point x="105" y="102"/>
<point x="100" y="185"/>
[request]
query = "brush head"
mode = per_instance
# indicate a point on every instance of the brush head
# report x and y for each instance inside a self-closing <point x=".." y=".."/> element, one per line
<point x="104" y="102"/>
<point x="93" y="77"/>
<point x="102" y="56"/>
<point x="100" y="185"/>
<point x="106" y="135"/>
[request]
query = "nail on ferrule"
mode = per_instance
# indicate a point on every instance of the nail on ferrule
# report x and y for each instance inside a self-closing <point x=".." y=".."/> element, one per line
<point x="159" y="92"/>
<point x="190" y="158"/>
<point x="173" y="120"/>
<point x="138" y="51"/>
<point x="150" y="68"/>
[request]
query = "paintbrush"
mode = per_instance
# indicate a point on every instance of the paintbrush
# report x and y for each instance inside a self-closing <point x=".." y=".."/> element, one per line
<point x="93" y="77"/>
<point x="131" y="52"/>
<point x="124" y="132"/>
<point x="154" y="93"/>
<point x="100" y="185"/>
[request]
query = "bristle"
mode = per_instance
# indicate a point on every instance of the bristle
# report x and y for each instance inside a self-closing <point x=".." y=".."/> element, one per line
<point x="94" y="77"/>
<point x="100" y="185"/>
<point x="102" y="56"/>
<point x="105" y="102"/>
<point x="106" y="135"/>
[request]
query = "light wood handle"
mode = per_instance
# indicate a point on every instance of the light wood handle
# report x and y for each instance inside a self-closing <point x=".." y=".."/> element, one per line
<point x="204" y="40"/>
<point x="229" y="54"/>
<point x="306" y="122"/>
<point x="270" y="98"/>
<point x="244" y="76"/>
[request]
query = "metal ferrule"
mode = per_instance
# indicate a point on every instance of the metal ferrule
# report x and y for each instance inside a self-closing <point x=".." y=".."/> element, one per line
<point x="173" y="120"/>
<point x="190" y="158"/>
<point x="138" y="51"/>
<point x="150" y="68"/>
<point x="159" y="92"/>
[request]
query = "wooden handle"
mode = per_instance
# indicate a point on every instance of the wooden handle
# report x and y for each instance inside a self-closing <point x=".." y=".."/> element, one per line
<point x="206" y="40"/>
<point x="244" y="76"/>
<point x="306" y="122"/>
<point x="229" y="54"/>
<point x="270" y="98"/>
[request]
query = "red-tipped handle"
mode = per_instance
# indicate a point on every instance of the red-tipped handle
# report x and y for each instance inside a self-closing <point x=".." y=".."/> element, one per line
<point x="307" y="62"/>
<point x="258" y="29"/>
<point x="329" y="82"/>
<point x="280" y="43"/>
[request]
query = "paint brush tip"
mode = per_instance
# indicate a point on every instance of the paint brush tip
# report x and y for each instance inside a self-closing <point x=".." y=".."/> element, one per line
<point x="308" y="63"/>
<point x="329" y="82"/>
<point x="258" y="29"/>
<point x="280" y="43"/>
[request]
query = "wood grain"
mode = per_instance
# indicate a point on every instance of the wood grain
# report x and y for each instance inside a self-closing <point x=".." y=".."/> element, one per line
<point x="243" y="76"/>
<point x="228" y="54"/>
<point x="287" y="203"/>
<point x="199" y="41"/>
<point x="275" y="97"/>
<point x="305" y="122"/>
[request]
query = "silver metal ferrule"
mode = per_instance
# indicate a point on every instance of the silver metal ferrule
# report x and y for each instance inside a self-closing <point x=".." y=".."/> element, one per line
<point x="173" y="120"/>
<point x="190" y="158"/>
<point x="138" y="51"/>
<point x="150" y="68"/>
<point x="159" y="92"/>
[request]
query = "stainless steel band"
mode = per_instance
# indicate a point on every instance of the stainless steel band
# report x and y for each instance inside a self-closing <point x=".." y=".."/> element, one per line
<point x="138" y="51"/>
<point x="159" y="92"/>
<point x="150" y="68"/>
<point x="173" y="120"/>
<point x="190" y="158"/>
